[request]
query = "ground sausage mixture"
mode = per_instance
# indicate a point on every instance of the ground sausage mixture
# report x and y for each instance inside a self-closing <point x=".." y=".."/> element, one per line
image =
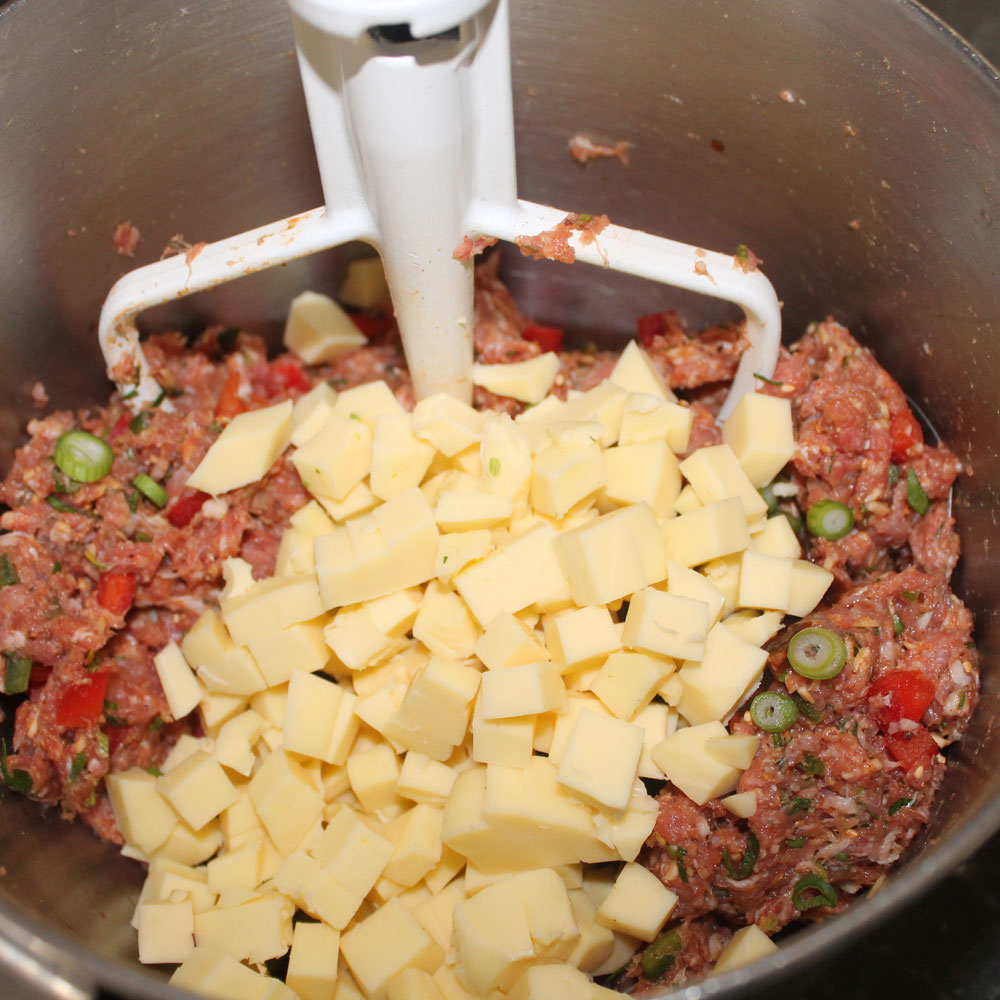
<point x="96" y="578"/>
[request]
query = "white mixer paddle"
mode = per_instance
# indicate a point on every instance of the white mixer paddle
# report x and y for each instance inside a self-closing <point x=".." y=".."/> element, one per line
<point x="410" y="107"/>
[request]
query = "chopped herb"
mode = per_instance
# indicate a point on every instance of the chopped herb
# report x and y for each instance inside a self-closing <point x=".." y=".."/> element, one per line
<point x="812" y="765"/>
<point x="584" y="218"/>
<point x="795" y="841"/>
<point x="91" y="799"/>
<point x="139" y="422"/>
<point x="894" y="471"/>
<point x="16" y="780"/>
<point x="226" y="339"/>
<point x="897" y="625"/>
<point x="156" y="723"/>
<point x="799" y="805"/>
<point x="55" y="608"/>
<point x="494" y="467"/>
<point x="355" y="416"/>
<point x="215" y="427"/>
<point x="17" y="672"/>
<point x="842" y="856"/>
<point x="133" y="501"/>
<point x="769" y="381"/>
<point x="911" y="595"/>
<point x="658" y="958"/>
<point x="678" y="854"/>
<point x="91" y="557"/>
<point x="57" y="504"/>
<point x="807" y="708"/>
<point x="747" y="863"/>
<point x="160" y="398"/>
<point x="130" y="453"/>
<point x="336" y="383"/>
<point x="142" y="536"/>
<point x="778" y="740"/>
<point x="57" y="567"/>
<point x="131" y="395"/>
<point x="154" y="771"/>
<point x="103" y="742"/>
<point x="900" y="804"/>
<point x="110" y="707"/>
<point x="961" y="701"/>
<point x="742" y="253"/>
<point x="854" y="729"/>
<point x="444" y="559"/>
<point x="79" y="763"/>
<point x="915" y="495"/>
<point x="8" y="571"/>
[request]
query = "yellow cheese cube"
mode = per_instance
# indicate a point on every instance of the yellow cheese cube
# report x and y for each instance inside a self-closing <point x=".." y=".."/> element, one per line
<point x="364" y="285"/>
<point x="809" y="583"/>
<point x="765" y="581"/>
<point x="647" y="471"/>
<point x="211" y="973"/>
<point x="373" y="964"/>
<point x="352" y="852"/>
<point x="714" y="530"/>
<point x="687" y="501"/>
<point x="658" y="720"/>
<point x="728" y="671"/>
<point x="319" y="720"/>
<point x="434" y="716"/>
<point x="424" y="780"/>
<point x="189" y="846"/>
<point x="627" y="681"/>
<point x="216" y="708"/>
<point x="442" y="875"/>
<point x="664" y="623"/>
<point x="603" y="404"/>
<point x="236" y="739"/>
<point x="336" y="458"/>
<point x="523" y="690"/>
<point x="399" y="457"/>
<point x="298" y="648"/>
<point x="448" y="424"/>
<point x="636" y="372"/>
<point x="271" y="605"/>
<point x="573" y="433"/>
<point x="367" y="402"/>
<point x="736" y="750"/>
<point x="647" y="417"/>
<point x="254" y="930"/>
<point x="626" y="832"/>
<point x="582" y="638"/>
<point x="504" y="457"/>
<point x="724" y="574"/>
<point x="759" y="431"/>
<point x="601" y="759"/>
<point x="561" y="478"/>
<point x="413" y="984"/>
<point x="418" y="846"/>
<point x="638" y="903"/>
<point x="309" y="885"/>
<point x="457" y="511"/>
<point x="596" y="941"/>
<point x="312" y="962"/>
<point x="742" y="804"/>
<point x="318" y="330"/>
<point x="180" y="686"/>
<point x="394" y="613"/>
<point x="285" y="800"/>
<point x="373" y="774"/>
<point x="239" y="869"/>
<point x="222" y="666"/>
<point x="755" y="628"/>
<point x="358" y="500"/>
<point x="311" y="411"/>
<point x="141" y="812"/>
<point x="685" y="582"/>
<point x="444" y="623"/>
<point x="458" y="549"/>
<point x="564" y="722"/>
<point x="777" y="538"/>
<point x="528" y="381"/>
<point x="245" y="450"/>
<point x="271" y="704"/>
<point x="376" y="554"/>
<point x="501" y="741"/>
<point x="198" y="789"/>
<point x="552" y="982"/>
<point x="356" y="640"/>
<point x="508" y="642"/>
<point x="685" y="761"/>
<point x="749" y="944"/>
<point x="715" y="473"/>
<point x="612" y="556"/>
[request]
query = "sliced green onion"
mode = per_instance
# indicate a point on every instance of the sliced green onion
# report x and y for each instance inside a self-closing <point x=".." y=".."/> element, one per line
<point x="139" y="422"/>
<point x="829" y="519"/>
<point x="8" y="571"/>
<point x="57" y="504"/>
<point x="799" y="805"/>
<point x="154" y="771"/>
<point x="16" y="779"/>
<point x="494" y="467"/>
<point x="898" y="628"/>
<point x="150" y="489"/>
<point x="915" y="495"/>
<point x="678" y="854"/>
<point x="802" y="894"/>
<point x="767" y="494"/>
<point x="79" y="763"/>
<point x="795" y="842"/>
<point x="773" y="712"/>
<point x="17" y="673"/>
<point x="807" y="708"/>
<point x="747" y="863"/>
<point x="817" y="653"/>
<point x="660" y="955"/>
<point x="900" y="804"/>
<point x="83" y="456"/>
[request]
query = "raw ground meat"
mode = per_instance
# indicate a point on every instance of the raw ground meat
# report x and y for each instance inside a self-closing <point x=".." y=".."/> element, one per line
<point x="841" y="793"/>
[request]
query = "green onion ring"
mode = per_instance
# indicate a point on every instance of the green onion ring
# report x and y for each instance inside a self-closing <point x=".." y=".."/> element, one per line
<point x="773" y="712"/>
<point x="829" y="519"/>
<point x="659" y="956"/>
<point x="817" y="653"/>
<point x="150" y="489"/>
<point x="826" y="895"/>
<point x="83" y="457"/>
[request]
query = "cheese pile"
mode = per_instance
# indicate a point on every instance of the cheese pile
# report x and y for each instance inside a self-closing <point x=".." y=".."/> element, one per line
<point x="438" y="710"/>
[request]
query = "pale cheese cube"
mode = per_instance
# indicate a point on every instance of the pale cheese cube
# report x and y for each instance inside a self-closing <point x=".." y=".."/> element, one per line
<point x="736" y="749"/>
<point x="628" y="681"/>
<point x="508" y="642"/>
<point x="352" y="852"/>
<point x="596" y="941"/>
<point x="501" y="741"/>
<point x="425" y="780"/>
<point x="527" y="381"/>
<point x="245" y="450"/>
<point x="687" y="501"/>
<point x="759" y="431"/>
<point x="636" y="372"/>
<point x="552" y="982"/>
<point x="581" y="638"/>
<point x="524" y="690"/>
<point x="373" y="774"/>
<point x="418" y="845"/>
<point x="601" y="759"/>
<point x="765" y="581"/>
<point x="394" y="613"/>
<point x="504" y="456"/>
<point x="667" y="624"/>
<point x="286" y="802"/>
<point x="222" y="666"/>
<point x="336" y="458"/>
<point x="310" y="886"/>
<point x="298" y="648"/>
<point x="372" y="963"/>
<point x="685" y="582"/>
<point x="189" y="846"/>
<point x="442" y="876"/>
<point x="239" y="869"/>
<point x="658" y="720"/>
<point x="180" y="686"/>
<point x="742" y="804"/>
<point x="311" y="411"/>
<point x="777" y="538"/>
<point x="399" y="457"/>
<point x="612" y="556"/>
<point x="216" y="708"/>
<point x="318" y="330"/>
<point x="367" y="402"/>
<point x="809" y="583"/>
<point x="562" y="478"/>
<point x="638" y="903"/>
<point x="729" y="669"/>
<point x="170" y="880"/>
<point x="684" y="760"/>
<point x="749" y="944"/>
<point x="143" y="815"/>
<point x="356" y="640"/>
<point x="376" y="554"/>
<point x="564" y="722"/>
<point x="724" y="573"/>
<point x="238" y="576"/>
<point x="319" y="720"/>
<point x="358" y="500"/>
<point x="271" y="704"/>
<point x="365" y="285"/>
<point x="648" y="471"/>
<point x="450" y="425"/>
<point x="235" y="741"/>
<point x="198" y="789"/>
<point x="603" y="404"/>
<point x="212" y="973"/>
<point x="574" y="433"/>
<point x="753" y="627"/>
<point x="628" y="831"/>
<point x="444" y="623"/>
<point x="253" y="930"/>
<point x="271" y="605"/>
<point x="413" y="984"/>
<point x="716" y="474"/>
<point x="460" y="548"/>
<point x="647" y="417"/>
<point x="458" y="511"/>
<point x="714" y="530"/>
<point x="312" y="962"/>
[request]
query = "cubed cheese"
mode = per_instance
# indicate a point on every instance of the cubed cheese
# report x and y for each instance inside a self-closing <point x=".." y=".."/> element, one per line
<point x="335" y="459"/>
<point x="684" y="760"/>
<point x="582" y="637"/>
<point x="601" y="760"/>
<point x="709" y="532"/>
<point x="508" y="642"/>
<point x="747" y="945"/>
<point x="759" y="431"/>
<point x="649" y="418"/>
<point x="523" y="690"/>
<point x="399" y="457"/>
<point x="562" y="477"/>
<point x="450" y="425"/>
<point x="646" y="471"/>
<point x="312" y="962"/>
<point x="715" y="474"/>
<point x="528" y="381"/>
<point x="180" y="686"/>
<point x="627" y="681"/>
<point x="638" y="903"/>
<point x="198" y="789"/>
<point x="635" y="371"/>
<point x="667" y="624"/>
<point x="318" y="330"/>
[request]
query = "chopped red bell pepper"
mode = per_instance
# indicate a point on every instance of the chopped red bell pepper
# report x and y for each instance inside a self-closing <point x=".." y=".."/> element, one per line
<point x="548" y="338"/>
<point x="649" y="327"/>
<point x="914" y="748"/>
<point x="120" y="426"/>
<point x="909" y="693"/>
<point x="286" y="375"/>
<point x="82" y="704"/>
<point x="371" y="324"/>
<point x="229" y="403"/>
<point x="907" y="436"/>
<point x="184" y="508"/>
<point x="116" y="591"/>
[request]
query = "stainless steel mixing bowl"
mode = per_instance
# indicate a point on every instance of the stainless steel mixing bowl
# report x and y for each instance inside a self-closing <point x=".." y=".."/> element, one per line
<point x="853" y="144"/>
